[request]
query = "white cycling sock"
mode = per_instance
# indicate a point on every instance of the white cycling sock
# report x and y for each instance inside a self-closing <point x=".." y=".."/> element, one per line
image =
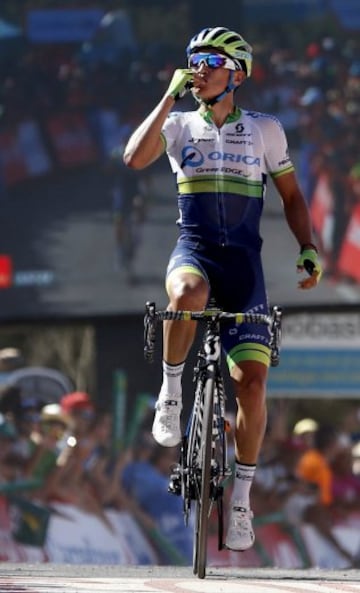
<point x="244" y="475"/>
<point x="172" y="375"/>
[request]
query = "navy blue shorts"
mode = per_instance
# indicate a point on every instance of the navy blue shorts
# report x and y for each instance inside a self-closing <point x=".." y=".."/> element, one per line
<point x="236" y="280"/>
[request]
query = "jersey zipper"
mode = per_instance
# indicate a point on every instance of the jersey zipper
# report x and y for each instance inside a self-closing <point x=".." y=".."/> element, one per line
<point x="220" y="194"/>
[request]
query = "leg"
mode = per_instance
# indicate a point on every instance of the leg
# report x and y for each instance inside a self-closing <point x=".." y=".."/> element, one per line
<point x="249" y="379"/>
<point x="187" y="291"/>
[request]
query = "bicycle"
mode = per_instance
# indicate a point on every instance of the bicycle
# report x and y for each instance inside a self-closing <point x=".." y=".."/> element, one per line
<point x="203" y="468"/>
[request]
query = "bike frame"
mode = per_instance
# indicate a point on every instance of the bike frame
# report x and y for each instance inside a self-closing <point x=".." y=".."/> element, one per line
<point x="206" y="459"/>
<point x="203" y="469"/>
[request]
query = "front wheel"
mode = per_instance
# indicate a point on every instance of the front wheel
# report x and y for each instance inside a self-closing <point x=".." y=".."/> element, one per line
<point x="202" y="501"/>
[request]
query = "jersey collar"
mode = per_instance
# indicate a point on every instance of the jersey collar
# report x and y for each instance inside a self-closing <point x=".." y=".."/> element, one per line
<point x="207" y="115"/>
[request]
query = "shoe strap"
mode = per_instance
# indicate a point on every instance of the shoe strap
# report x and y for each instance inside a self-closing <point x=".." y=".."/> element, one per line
<point x="170" y="402"/>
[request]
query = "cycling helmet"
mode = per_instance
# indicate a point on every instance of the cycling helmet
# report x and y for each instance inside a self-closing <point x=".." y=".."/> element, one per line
<point x="228" y="42"/>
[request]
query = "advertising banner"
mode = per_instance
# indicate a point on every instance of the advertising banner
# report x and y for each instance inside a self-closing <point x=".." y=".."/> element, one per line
<point x="319" y="357"/>
<point x="76" y="537"/>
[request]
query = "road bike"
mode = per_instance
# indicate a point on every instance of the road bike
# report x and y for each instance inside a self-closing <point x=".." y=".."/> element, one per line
<point x="203" y="468"/>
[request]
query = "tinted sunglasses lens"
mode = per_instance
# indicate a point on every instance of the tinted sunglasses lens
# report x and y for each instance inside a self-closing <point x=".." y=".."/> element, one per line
<point x="210" y="60"/>
<point x="216" y="61"/>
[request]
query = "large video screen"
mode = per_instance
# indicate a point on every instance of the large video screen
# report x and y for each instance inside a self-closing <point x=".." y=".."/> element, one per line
<point x="83" y="236"/>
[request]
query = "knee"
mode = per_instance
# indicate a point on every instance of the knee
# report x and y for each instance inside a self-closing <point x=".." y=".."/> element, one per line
<point x="249" y="380"/>
<point x="250" y="391"/>
<point x="188" y="293"/>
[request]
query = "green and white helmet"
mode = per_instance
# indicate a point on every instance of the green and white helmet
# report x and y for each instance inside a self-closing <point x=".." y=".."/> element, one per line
<point x="228" y="42"/>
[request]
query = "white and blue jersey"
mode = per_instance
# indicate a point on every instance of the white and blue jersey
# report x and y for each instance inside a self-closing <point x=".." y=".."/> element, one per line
<point x="221" y="173"/>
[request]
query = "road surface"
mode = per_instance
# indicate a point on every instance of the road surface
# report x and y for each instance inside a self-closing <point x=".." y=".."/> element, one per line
<point x="50" y="578"/>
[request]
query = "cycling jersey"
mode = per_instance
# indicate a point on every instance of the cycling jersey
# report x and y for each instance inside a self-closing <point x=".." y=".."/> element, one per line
<point x="221" y="173"/>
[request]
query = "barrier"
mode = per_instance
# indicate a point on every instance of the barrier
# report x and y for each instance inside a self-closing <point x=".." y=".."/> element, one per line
<point x="75" y="537"/>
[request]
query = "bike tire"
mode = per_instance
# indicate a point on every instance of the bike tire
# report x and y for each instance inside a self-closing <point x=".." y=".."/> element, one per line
<point x="191" y="490"/>
<point x="202" y="502"/>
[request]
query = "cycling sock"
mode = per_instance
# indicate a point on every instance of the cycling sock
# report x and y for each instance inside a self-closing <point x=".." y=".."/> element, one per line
<point x="172" y="375"/>
<point x="244" y="475"/>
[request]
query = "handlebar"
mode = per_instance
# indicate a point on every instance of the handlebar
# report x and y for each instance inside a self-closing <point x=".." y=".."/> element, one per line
<point x="152" y="316"/>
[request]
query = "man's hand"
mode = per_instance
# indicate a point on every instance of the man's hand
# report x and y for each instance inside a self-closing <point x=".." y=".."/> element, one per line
<point x="181" y="83"/>
<point x="309" y="260"/>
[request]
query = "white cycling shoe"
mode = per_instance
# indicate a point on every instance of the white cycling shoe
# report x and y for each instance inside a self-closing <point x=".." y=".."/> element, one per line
<point x="240" y="535"/>
<point x="166" y="426"/>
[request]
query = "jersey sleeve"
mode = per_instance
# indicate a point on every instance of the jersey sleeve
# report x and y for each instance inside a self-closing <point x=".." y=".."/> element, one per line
<point x="170" y="130"/>
<point x="277" y="157"/>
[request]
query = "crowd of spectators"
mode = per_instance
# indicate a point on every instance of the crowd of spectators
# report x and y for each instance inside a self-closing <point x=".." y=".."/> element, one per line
<point x="307" y="473"/>
<point x="64" y="451"/>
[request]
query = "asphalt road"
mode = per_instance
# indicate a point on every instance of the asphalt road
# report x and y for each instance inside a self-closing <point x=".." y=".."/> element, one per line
<point x="50" y="578"/>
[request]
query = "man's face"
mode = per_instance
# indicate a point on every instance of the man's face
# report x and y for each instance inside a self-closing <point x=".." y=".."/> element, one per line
<point x="211" y="73"/>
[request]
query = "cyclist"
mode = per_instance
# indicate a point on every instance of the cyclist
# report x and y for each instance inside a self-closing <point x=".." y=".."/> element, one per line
<point x="221" y="156"/>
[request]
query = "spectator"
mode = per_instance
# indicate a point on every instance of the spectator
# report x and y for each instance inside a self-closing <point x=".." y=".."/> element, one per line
<point x="345" y="484"/>
<point x="315" y="472"/>
<point x="10" y="359"/>
<point x="314" y="465"/>
<point x="45" y="448"/>
<point x="10" y="400"/>
<point x="304" y="431"/>
<point x="103" y="466"/>
<point x="80" y="410"/>
<point x="10" y="469"/>
<point x="146" y="479"/>
<point x="68" y="482"/>
<point x="26" y="419"/>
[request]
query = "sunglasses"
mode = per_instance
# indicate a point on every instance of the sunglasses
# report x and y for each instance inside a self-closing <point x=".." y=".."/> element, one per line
<point x="211" y="60"/>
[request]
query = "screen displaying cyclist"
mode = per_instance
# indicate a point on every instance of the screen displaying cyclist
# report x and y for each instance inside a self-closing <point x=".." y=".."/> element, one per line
<point x="222" y="156"/>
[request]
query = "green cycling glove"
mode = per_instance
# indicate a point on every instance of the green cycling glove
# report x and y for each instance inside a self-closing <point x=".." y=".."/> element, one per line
<point x="181" y="83"/>
<point x="309" y="260"/>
